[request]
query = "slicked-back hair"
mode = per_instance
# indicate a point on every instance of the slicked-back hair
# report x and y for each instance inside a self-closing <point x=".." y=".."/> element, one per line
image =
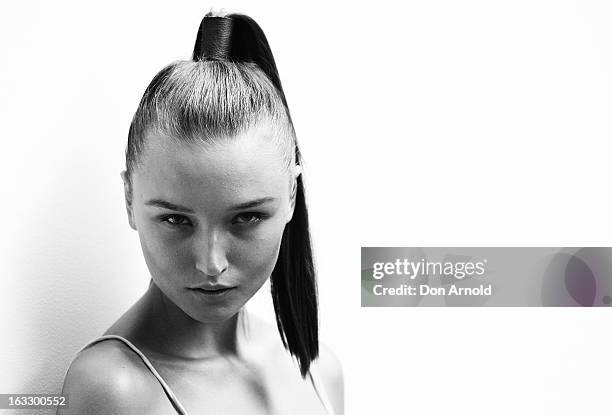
<point x="230" y="85"/>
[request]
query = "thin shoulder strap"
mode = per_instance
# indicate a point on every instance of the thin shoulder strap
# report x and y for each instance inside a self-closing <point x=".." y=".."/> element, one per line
<point x="320" y="389"/>
<point x="175" y="402"/>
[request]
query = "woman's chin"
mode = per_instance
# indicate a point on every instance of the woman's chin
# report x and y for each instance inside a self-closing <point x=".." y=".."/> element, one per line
<point x="210" y="314"/>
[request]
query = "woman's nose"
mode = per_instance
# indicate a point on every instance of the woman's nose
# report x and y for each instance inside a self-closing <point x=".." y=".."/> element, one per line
<point x="210" y="253"/>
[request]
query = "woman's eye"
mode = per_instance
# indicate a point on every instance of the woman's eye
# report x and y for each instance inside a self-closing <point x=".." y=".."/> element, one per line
<point x="248" y="218"/>
<point x="174" y="220"/>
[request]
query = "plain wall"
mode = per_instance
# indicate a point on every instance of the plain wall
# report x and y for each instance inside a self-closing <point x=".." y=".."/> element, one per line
<point x="439" y="123"/>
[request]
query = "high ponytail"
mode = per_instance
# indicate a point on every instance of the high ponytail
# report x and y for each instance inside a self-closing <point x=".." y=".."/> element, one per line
<point x="236" y="38"/>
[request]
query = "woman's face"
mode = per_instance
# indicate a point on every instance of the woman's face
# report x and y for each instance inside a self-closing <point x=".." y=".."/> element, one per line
<point x="211" y="216"/>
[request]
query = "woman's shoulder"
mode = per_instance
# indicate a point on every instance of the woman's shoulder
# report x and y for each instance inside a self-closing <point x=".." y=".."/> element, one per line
<point x="327" y="364"/>
<point x="332" y="375"/>
<point x="107" y="378"/>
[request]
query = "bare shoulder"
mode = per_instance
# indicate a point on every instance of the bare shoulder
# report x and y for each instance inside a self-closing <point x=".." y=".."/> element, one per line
<point x="327" y="364"/>
<point x="106" y="378"/>
<point x="269" y="340"/>
<point x="332" y="376"/>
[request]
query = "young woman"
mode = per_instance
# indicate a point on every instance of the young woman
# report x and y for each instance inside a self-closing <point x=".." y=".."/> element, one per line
<point x="213" y="186"/>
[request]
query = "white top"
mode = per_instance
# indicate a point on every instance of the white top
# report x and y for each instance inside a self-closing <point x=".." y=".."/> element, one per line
<point x="314" y="378"/>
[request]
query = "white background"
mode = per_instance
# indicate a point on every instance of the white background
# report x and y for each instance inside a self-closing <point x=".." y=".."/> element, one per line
<point x="438" y="123"/>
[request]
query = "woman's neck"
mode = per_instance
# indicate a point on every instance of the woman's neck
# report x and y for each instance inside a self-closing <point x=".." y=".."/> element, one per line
<point x="165" y="329"/>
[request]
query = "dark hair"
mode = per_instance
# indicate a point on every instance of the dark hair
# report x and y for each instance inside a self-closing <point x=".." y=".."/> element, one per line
<point x="230" y="85"/>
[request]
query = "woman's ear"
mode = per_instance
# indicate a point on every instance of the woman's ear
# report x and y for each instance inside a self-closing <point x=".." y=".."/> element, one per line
<point x="127" y="189"/>
<point x="297" y="170"/>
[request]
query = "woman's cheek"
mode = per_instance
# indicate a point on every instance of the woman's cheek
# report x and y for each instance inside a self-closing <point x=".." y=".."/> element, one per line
<point x="163" y="254"/>
<point x="256" y="258"/>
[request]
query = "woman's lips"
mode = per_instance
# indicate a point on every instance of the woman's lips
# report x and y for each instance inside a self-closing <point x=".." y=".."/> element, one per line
<point x="213" y="292"/>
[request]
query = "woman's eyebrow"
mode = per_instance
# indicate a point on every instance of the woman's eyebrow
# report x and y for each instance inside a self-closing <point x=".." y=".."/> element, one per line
<point x="253" y="203"/>
<point x="168" y="205"/>
<point x="171" y="206"/>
